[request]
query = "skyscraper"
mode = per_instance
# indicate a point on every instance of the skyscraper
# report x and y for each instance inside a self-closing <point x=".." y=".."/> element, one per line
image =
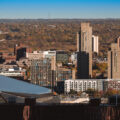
<point x="114" y="61"/>
<point x="84" y="52"/>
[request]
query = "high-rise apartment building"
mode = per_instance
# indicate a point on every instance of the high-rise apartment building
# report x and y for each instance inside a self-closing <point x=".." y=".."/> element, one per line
<point x="84" y="38"/>
<point x="114" y="61"/>
<point x="84" y="52"/>
<point x="40" y="72"/>
<point x="95" y="44"/>
<point x="44" y="72"/>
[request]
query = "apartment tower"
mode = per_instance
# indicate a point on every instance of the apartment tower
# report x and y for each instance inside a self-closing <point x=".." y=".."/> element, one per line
<point x="84" y="52"/>
<point x="114" y="60"/>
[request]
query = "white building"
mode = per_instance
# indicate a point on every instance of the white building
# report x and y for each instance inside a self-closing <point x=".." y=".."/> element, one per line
<point x="74" y="58"/>
<point x="40" y="54"/>
<point x="13" y="72"/>
<point x="34" y="55"/>
<point x="83" y="85"/>
<point x="49" y="54"/>
<point x="95" y="43"/>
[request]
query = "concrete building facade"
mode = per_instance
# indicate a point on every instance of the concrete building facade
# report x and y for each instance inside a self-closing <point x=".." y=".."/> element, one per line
<point x="114" y="61"/>
<point x="84" y="52"/>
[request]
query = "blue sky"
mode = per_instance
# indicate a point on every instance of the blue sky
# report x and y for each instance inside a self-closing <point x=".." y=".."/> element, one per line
<point x="59" y="8"/>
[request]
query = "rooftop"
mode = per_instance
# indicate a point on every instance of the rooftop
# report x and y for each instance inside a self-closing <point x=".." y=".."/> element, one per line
<point x="21" y="88"/>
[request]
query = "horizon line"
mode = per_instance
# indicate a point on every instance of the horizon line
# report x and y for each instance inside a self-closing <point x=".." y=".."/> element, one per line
<point x="54" y="18"/>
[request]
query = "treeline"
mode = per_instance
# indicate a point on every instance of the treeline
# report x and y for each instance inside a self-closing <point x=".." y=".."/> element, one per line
<point x="55" y="34"/>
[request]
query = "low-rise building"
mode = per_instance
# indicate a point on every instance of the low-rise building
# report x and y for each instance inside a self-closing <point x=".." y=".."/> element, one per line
<point x="62" y="57"/>
<point x="13" y="72"/>
<point x="34" y="55"/>
<point x="84" y="84"/>
<point x="112" y="84"/>
<point x="80" y="85"/>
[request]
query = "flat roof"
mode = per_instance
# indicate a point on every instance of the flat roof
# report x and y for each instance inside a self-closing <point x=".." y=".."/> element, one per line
<point x="21" y="88"/>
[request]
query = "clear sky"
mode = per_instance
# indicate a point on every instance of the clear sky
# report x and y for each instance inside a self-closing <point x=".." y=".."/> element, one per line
<point x="59" y="9"/>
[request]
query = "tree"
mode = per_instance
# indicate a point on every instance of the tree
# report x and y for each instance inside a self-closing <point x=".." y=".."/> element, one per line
<point x="90" y="92"/>
<point x="110" y="92"/>
<point x="94" y="93"/>
<point x="73" y="92"/>
<point x="79" y="93"/>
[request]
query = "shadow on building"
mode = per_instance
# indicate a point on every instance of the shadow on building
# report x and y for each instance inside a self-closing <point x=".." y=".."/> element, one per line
<point x="83" y="65"/>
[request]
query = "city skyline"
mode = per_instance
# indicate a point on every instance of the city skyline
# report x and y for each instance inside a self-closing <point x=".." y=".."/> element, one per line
<point x="34" y="9"/>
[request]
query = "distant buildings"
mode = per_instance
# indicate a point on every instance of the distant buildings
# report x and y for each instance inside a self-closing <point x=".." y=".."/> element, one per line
<point x="20" y="51"/>
<point x="1" y="58"/>
<point x="49" y="54"/>
<point x="60" y="56"/>
<point x="95" y="44"/>
<point x="12" y="71"/>
<point x="7" y="57"/>
<point x="84" y="52"/>
<point x="114" y="61"/>
<point x="34" y="55"/>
